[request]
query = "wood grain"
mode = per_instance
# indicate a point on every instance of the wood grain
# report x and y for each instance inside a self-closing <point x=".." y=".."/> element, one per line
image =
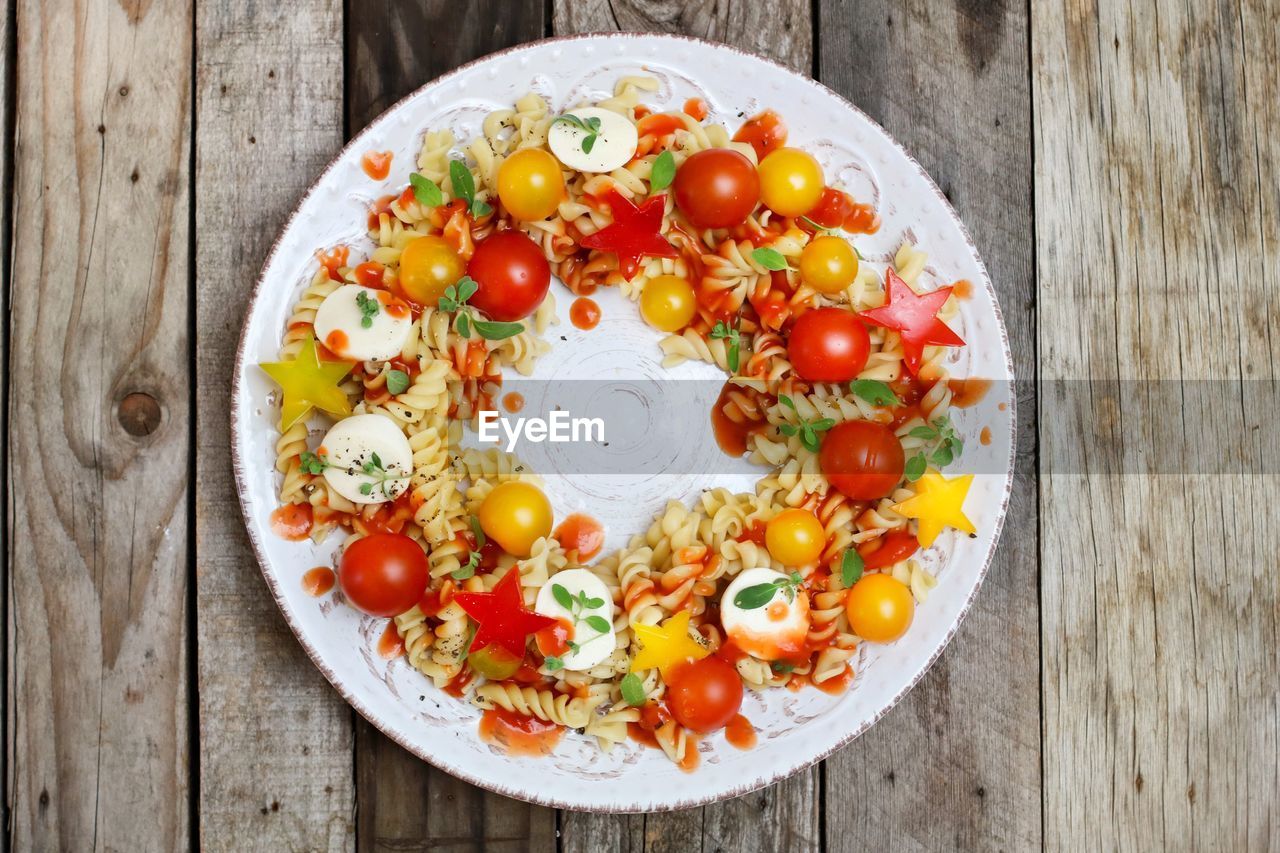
<point x="957" y="763"/>
<point x="6" y="225"/>
<point x="97" y="549"/>
<point x="393" y="47"/>
<point x="784" y="816"/>
<point x="275" y="738"/>
<point x="1157" y="162"/>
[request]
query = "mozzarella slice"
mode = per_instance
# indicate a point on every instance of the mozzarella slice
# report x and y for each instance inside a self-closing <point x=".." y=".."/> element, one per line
<point x="614" y="147"/>
<point x="772" y="632"/>
<point x="369" y="459"/>
<point x="593" y="646"/>
<point x="340" y="323"/>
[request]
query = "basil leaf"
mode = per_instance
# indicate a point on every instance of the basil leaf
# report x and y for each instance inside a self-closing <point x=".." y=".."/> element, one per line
<point x="823" y="424"/>
<point x="599" y="623"/>
<point x="786" y="401"/>
<point x="733" y="356"/>
<point x="754" y="597"/>
<point x="464" y="186"/>
<point x="562" y="596"/>
<point x="850" y="568"/>
<point x="466" y="288"/>
<point x="875" y="392"/>
<point x="463" y="572"/>
<point x="770" y="259"/>
<point x="480" y="208"/>
<point x="664" y="172"/>
<point x="942" y="456"/>
<point x="366" y="488"/>
<point x="478" y="532"/>
<point x="588" y="144"/>
<point x="809" y="438"/>
<point x="632" y="690"/>
<point x="464" y="325"/>
<point x="426" y="191"/>
<point x="593" y="603"/>
<point x="788" y="429"/>
<point x="915" y="467"/>
<point x="397" y="381"/>
<point x="497" y="331"/>
<point x="927" y="433"/>
<point x="554" y="664"/>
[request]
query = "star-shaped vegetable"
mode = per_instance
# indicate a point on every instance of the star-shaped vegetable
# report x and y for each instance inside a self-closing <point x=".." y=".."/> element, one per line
<point x="667" y="645"/>
<point x="914" y="317"/>
<point x="938" y="503"/>
<point x="635" y="232"/>
<point x="309" y="383"/>
<point x="502" y="615"/>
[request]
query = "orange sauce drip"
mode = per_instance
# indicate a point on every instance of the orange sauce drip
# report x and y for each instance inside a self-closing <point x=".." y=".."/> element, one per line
<point x="517" y="734"/>
<point x="584" y="313"/>
<point x="457" y="687"/>
<point x="582" y="533"/>
<point x="984" y="437"/>
<point x="838" y="684"/>
<point x="641" y="735"/>
<point x="390" y="645"/>
<point x="370" y="274"/>
<point x="1002" y="406"/>
<point x="740" y="733"/>
<point x="376" y="164"/>
<point x="292" y="522"/>
<point x="862" y="220"/>
<point x="696" y="108"/>
<point x="730" y="652"/>
<point x="967" y="392"/>
<point x="336" y="341"/>
<point x="553" y="640"/>
<point x="382" y="205"/>
<point x="962" y="289"/>
<point x="764" y="132"/>
<point x="659" y="124"/>
<point x="333" y="260"/>
<point x="394" y="307"/>
<point x="692" y="758"/>
<point x="513" y="401"/>
<point x="731" y="435"/>
<point x="316" y="582"/>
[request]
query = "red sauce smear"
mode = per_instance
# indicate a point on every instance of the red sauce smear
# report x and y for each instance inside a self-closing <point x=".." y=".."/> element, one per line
<point x="582" y="533"/>
<point x="584" y="313"/>
<point x="1002" y="406"/>
<point x="517" y="734"/>
<point x="513" y="401"/>
<point x="457" y="687"/>
<point x="764" y="132"/>
<point x="967" y="392"/>
<point x="984" y="437"/>
<point x="316" y="582"/>
<point x="333" y="260"/>
<point x="292" y="522"/>
<point x="370" y="274"/>
<point x="837" y="209"/>
<point x="376" y="164"/>
<point x="740" y="733"/>
<point x="838" y="684"/>
<point x="382" y="205"/>
<point x="962" y="289"/>
<point x="336" y="342"/>
<point x="696" y="108"/>
<point x="390" y="645"/>
<point x="553" y="640"/>
<point x="730" y="434"/>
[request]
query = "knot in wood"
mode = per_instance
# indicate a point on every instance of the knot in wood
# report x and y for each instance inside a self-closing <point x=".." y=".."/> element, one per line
<point x="139" y="414"/>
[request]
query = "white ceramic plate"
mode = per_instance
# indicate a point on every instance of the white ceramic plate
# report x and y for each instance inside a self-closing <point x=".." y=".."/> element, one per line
<point x="795" y="729"/>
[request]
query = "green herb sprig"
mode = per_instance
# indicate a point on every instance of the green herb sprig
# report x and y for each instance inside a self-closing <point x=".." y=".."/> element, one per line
<point x="807" y="430"/>
<point x="723" y="331"/>
<point x="758" y="595"/>
<point x="943" y="446"/>
<point x="464" y="187"/>
<point x="368" y="309"/>
<point x="875" y="392"/>
<point x="312" y="463"/>
<point x="468" y="569"/>
<point x="455" y="299"/>
<point x="577" y="605"/>
<point x="590" y="126"/>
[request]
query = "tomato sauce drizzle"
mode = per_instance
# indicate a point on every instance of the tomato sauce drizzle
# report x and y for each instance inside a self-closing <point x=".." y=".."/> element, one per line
<point x="390" y="644"/>
<point x="984" y="437"/>
<point x="376" y="164"/>
<point x="962" y="289"/>
<point x="370" y="274"/>
<point x="968" y="392"/>
<point x="696" y="108"/>
<point x="740" y="733"/>
<point x="379" y="207"/>
<point x="584" y="313"/>
<point x="517" y="734"/>
<point x="837" y="684"/>
<point x="764" y="132"/>
<point x="731" y="435"/>
<point x="581" y="533"/>
<point x="292" y="522"/>
<point x="553" y="640"/>
<point x="333" y="260"/>
<point x="837" y="209"/>
<point x="316" y="582"/>
<point x="513" y="401"/>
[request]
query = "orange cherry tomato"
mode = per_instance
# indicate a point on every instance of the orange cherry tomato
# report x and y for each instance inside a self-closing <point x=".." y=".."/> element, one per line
<point x="862" y="459"/>
<point x="530" y="184"/>
<point x="516" y="515"/>
<point x="795" y="537"/>
<point x="383" y="574"/>
<point x="828" y="345"/>
<point x="828" y="264"/>
<point x="705" y="695"/>
<point x="879" y="608"/>
<point x="717" y="188"/>
<point x="668" y="303"/>
<point x="427" y="266"/>
<point x="791" y="182"/>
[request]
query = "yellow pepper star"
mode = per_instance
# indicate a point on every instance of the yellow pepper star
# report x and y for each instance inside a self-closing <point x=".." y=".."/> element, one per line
<point x="938" y="503"/>
<point x="666" y="645"/>
<point x="309" y="383"/>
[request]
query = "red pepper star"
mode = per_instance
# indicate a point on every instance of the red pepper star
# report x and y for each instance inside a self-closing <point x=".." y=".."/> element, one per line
<point x="502" y="615"/>
<point x="634" y="233"/>
<point x="914" y="317"/>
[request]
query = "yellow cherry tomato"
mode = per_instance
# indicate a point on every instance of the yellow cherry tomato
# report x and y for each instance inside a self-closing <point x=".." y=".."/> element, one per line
<point x="427" y="266"/>
<point x="879" y="608"/>
<point x="515" y="515"/>
<point x="795" y="537"/>
<point x="791" y="182"/>
<point x="829" y="264"/>
<point x="668" y="303"/>
<point x="530" y="184"/>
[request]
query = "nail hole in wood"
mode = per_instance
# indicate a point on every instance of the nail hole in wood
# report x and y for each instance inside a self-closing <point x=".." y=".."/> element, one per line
<point x="139" y="414"/>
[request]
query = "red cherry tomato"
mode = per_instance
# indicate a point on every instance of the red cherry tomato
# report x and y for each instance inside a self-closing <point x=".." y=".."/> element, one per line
<point x="383" y="574"/>
<point x="717" y="188"/>
<point x="863" y="459"/>
<point x="828" y="345"/>
<point x="512" y="274"/>
<point x="705" y="695"/>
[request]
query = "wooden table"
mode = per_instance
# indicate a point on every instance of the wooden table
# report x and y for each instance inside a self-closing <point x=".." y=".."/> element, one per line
<point x="1116" y="685"/>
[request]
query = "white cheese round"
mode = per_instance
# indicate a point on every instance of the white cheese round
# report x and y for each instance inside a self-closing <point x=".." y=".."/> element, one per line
<point x="579" y="585"/>
<point x="369" y="459"/>
<point x="614" y="145"/>
<point x="340" y="323"/>
<point x="773" y="631"/>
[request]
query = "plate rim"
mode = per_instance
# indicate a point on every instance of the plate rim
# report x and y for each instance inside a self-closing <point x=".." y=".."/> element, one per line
<point x="370" y="714"/>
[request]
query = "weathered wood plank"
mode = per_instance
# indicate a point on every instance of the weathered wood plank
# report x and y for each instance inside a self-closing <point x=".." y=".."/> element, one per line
<point x="1157" y="138"/>
<point x="99" y="398"/>
<point x="784" y="816"/>
<point x="6" y="224"/>
<point x="275" y="739"/>
<point x="957" y="763"/>
<point x="394" y="47"/>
